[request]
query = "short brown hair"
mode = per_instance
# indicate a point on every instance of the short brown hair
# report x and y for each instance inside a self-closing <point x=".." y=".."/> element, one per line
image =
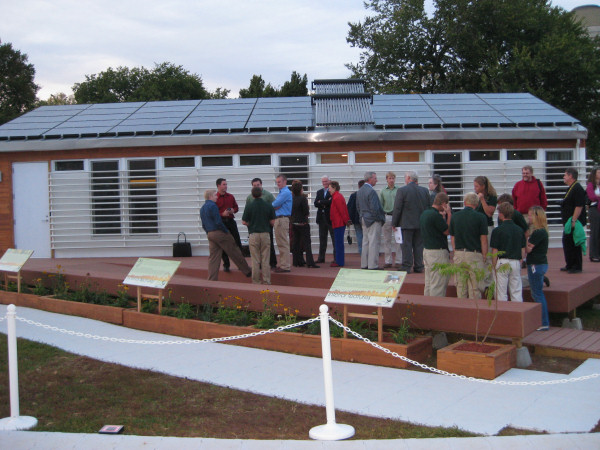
<point x="507" y="210"/>
<point x="441" y="198"/>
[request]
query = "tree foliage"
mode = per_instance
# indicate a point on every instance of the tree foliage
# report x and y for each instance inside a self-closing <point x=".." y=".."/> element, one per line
<point x="296" y="87"/>
<point x="17" y="88"/>
<point x="482" y="46"/>
<point x="57" y="99"/>
<point x="165" y="82"/>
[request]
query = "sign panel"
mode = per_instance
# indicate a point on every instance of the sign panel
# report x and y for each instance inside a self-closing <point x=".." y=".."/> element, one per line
<point x="366" y="287"/>
<point x="14" y="259"/>
<point x="154" y="273"/>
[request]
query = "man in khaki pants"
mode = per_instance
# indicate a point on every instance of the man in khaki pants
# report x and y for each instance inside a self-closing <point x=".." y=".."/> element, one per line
<point x="469" y="230"/>
<point x="435" y="223"/>
<point x="283" y="211"/>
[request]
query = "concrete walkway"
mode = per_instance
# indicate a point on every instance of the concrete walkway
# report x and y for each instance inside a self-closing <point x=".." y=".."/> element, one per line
<point x="416" y="397"/>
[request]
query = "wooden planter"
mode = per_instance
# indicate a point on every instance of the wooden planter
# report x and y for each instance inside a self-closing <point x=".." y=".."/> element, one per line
<point x="110" y="314"/>
<point x="353" y="350"/>
<point x="476" y="364"/>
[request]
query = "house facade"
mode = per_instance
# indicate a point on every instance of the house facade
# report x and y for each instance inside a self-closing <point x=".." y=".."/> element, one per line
<point x="124" y="179"/>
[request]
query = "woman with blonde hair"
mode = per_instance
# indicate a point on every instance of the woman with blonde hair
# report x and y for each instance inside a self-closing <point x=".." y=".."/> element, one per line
<point x="537" y="259"/>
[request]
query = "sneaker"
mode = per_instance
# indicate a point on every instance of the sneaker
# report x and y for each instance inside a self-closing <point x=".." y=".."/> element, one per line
<point x="334" y="264"/>
<point x="543" y="328"/>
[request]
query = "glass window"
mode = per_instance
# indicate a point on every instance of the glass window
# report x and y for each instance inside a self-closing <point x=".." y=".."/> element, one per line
<point x="61" y="166"/>
<point x="143" y="197"/>
<point x="332" y="158"/>
<point x="106" y="198"/>
<point x="294" y="167"/>
<point x="518" y="155"/>
<point x="182" y="161"/>
<point x="255" y="160"/>
<point x="215" y="161"/>
<point x="409" y="156"/>
<point x="370" y="157"/>
<point x="484" y="155"/>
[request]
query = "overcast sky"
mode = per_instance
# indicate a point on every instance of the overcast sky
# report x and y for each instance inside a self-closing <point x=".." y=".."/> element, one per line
<point x="225" y="42"/>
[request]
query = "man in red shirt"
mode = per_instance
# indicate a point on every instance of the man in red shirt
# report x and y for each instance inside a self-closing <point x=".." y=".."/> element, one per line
<point x="529" y="192"/>
<point x="227" y="208"/>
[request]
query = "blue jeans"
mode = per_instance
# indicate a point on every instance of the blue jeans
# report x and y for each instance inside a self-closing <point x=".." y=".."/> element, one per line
<point x="536" y="284"/>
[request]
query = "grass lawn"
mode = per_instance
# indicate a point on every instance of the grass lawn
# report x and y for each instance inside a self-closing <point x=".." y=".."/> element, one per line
<point x="76" y="394"/>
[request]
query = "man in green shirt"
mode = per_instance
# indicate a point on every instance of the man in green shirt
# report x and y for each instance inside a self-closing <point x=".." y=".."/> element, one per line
<point x="259" y="216"/>
<point x="509" y="239"/>
<point x="269" y="198"/>
<point x="435" y="222"/>
<point x="468" y="229"/>
<point x="387" y="197"/>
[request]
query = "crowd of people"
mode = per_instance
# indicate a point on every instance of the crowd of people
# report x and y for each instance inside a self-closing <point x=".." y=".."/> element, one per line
<point x="413" y="224"/>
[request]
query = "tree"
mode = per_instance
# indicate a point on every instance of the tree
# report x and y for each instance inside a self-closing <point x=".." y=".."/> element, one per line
<point x="482" y="46"/>
<point x="165" y="82"/>
<point x="296" y="87"/>
<point x="17" y="89"/>
<point x="57" y="99"/>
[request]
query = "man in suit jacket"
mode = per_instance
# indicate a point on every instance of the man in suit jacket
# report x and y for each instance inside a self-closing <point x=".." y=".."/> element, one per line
<point x="372" y="219"/>
<point x="323" y="203"/>
<point x="411" y="201"/>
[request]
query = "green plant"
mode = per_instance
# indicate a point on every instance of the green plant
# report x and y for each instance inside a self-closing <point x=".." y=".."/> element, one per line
<point x="403" y="335"/>
<point x="123" y="298"/>
<point x="471" y="275"/>
<point x="39" y="288"/>
<point x="205" y="313"/>
<point x="266" y="318"/>
<point x="149" y="305"/>
<point x="288" y="317"/>
<point x="185" y="310"/>
<point x="60" y="287"/>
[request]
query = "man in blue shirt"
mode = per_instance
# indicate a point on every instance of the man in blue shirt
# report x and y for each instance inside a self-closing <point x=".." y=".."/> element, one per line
<point x="283" y="211"/>
<point x="219" y="238"/>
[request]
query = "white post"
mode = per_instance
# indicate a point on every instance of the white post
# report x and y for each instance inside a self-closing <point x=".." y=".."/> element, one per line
<point x="15" y="421"/>
<point x="330" y="431"/>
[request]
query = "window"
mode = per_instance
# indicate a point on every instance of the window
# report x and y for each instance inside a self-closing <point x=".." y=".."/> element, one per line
<point x="332" y="158"/>
<point x="484" y="155"/>
<point x="177" y="162"/>
<point x="370" y="157"/>
<point x="106" y="198"/>
<point x="518" y="155"/>
<point x="255" y="160"/>
<point x="409" y="156"/>
<point x="215" y="161"/>
<point x="143" y="200"/>
<point x="294" y="167"/>
<point x="64" y="166"/>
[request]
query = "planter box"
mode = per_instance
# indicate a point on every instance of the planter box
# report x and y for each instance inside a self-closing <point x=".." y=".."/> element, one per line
<point x="110" y="314"/>
<point x="301" y="344"/>
<point x="476" y="364"/>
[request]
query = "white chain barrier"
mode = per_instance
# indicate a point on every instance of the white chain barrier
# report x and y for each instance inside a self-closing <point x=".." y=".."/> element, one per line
<point x="299" y="324"/>
<point x="462" y="377"/>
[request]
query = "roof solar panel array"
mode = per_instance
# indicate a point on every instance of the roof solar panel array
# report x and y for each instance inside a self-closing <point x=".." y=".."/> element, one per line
<point x="335" y="103"/>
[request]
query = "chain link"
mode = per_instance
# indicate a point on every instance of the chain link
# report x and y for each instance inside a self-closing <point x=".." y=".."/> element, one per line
<point x="299" y="324"/>
<point x="177" y="342"/>
<point x="454" y="375"/>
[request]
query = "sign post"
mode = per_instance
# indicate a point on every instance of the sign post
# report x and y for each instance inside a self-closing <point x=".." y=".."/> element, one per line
<point x="152" y="273"/>
<point x="375" y="288"/>
<point x="12" y="261"/>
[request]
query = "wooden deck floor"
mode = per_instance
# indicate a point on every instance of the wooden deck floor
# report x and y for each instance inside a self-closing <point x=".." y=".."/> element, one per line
<point x="565" y="342"/>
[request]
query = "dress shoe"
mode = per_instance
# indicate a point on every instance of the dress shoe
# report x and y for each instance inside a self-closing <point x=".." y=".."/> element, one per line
<point x="280" y="270"/>
<point x="595" y="259"/>
<point x="546" y="281"/>
<point x="313" y="266"/>
<point x="419" y="270"/>
<point x="249" y="274"/>
<point x="334" y="264"/>
<point x="574" y="271"/>
<point x="564" y="269"/>
<point x="543" y="328"/>
<point x="387" y="266"/>
<point x="320" y="260"/>
<point x="226" y="269"/>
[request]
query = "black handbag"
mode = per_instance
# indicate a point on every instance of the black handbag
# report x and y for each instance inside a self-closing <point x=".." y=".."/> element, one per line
<point x="182" y="249"/>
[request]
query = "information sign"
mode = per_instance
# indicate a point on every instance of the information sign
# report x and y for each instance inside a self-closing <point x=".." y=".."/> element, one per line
<point x="14" y="259"/>
<point x="154" y="273"/>
<point x="377" y="288"/>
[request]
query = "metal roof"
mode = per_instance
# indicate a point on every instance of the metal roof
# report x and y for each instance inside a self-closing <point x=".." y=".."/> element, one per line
<point x="332" y="113"/>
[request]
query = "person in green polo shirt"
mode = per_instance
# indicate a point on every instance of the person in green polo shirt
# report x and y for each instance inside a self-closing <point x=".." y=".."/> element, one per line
<point x="259" y="216"/>
<point x="468" y="229"/>
<point x="509" y="239"/>
<point x="435" y="222"/>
